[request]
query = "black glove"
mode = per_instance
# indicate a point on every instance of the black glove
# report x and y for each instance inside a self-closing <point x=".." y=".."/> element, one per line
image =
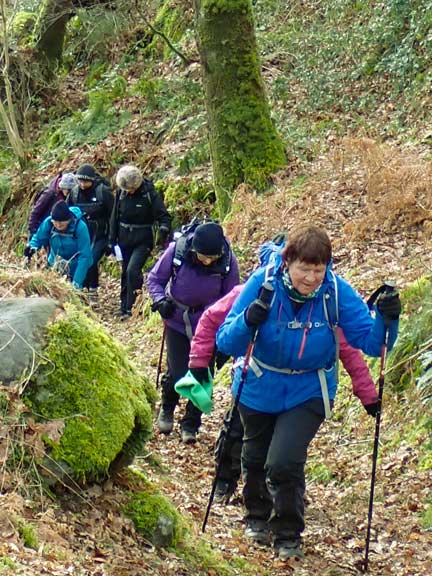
<point x="166" y="308"/>
<point x="108" y="250"/>
<point x="373" y="409"/>
<point x="200" y="374"/>
<point x="163" y="236"/>
<point x="29" y="251"/>
<point x="256" y="313"/>
<point x="389" y="306"/>
<point x="221" y="359"/>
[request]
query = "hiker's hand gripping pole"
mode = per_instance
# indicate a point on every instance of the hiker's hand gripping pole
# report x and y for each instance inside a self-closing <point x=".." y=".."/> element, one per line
<point x="265" y="298"/>
<point x="387" y="288"/>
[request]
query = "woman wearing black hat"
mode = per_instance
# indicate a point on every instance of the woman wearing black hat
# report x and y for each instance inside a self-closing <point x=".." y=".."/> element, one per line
<point x="93" y="195"/>
<point x="194" y="272"/>
<point x="68" y="241"/>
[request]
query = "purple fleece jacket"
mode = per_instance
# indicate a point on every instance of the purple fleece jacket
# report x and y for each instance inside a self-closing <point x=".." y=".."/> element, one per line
<point x="44" y="204"/>
<point x="191" y="285"/>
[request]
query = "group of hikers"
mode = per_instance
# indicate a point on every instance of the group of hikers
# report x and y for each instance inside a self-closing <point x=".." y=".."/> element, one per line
<point x="284" y="328"/>
<point x="79" y="219"/>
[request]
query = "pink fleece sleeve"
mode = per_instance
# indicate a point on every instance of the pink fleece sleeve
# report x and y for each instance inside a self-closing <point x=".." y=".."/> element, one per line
<point x="354" y="364"/>
<point x="203" y="342"/>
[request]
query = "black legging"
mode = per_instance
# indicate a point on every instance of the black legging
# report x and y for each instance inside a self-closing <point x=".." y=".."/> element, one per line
<point x="132" y="279"/>
<point x="273" y="459"/>
<point x="178" y="348"/>
<point x="229" y="458"/>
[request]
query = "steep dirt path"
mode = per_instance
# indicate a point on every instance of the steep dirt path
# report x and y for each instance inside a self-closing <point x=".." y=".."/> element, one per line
<point x="340" y="457"/>
<point x="337" y="492"/>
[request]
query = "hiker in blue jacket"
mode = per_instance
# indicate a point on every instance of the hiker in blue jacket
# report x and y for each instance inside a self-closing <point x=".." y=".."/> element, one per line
<point x="291" y="381"/>
<point x="68" y="240"/>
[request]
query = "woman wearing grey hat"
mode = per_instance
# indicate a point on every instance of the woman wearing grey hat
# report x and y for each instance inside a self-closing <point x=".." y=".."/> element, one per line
<point x="137" y="208"/>
<point x="58" y="189"/>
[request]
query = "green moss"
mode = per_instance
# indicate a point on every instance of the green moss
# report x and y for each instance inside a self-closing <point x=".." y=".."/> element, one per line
<point x="172" y="20"/>
<point x="7" y="565"/>
<point x="28" y="534"/>
<point x="185" y="198"/>
<point x="226" y="6"/>
<point x="147" y="507"/>
<point x="22" y="26"/>
<point x="88" y="381"/>
<point x="244" y="143"/>
<point x="415" y="330"/>
<point x="427" y="518"/>
<point x="147" y="510"/>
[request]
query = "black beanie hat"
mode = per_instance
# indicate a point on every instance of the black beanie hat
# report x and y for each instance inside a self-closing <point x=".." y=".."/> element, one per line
<point x="86" y="172"/>
<point x="61" y="212"/>
<point x="208" y="239"/>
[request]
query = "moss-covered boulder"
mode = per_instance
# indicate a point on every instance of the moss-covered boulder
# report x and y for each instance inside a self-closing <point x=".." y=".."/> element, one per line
<point x="87" y="381"/>
<point x="156" y="518"/>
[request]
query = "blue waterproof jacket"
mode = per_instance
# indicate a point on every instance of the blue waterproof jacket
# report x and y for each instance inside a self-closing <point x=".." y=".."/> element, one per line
<point x="72" y="245"/>
<point x="302" y="341"/>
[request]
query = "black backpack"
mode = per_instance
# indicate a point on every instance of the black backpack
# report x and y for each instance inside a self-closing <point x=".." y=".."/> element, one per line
<point x="78" y="216"/>
<point x="98" y="191"/>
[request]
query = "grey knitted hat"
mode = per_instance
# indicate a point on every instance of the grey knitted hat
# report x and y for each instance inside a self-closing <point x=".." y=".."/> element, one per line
<point x="67" y="181"/>
<point x="129" y="178"/>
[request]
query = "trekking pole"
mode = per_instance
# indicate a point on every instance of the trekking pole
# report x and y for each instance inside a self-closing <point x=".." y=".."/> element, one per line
<point x="387" y="287"/>
<point x="159" y="368"/>
<point x="265" y="295"/>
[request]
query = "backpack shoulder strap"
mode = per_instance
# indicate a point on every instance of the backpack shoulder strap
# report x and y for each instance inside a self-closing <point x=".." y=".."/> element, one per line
<point x="99" y="191"/>
<point x="269" y="272"/>
<point x="331" y="311"/>
<point x="74" y="195"/>
<point x="148" y="187"/>
<point x="331" y="303"/>
<point x="179" y="251"/>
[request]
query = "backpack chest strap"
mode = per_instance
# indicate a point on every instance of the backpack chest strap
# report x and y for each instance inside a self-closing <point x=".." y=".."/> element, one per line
<point x="186" y="310"/>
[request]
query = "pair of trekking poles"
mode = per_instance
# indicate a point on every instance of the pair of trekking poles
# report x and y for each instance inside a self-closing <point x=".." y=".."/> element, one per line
<point x="265" y="296"/>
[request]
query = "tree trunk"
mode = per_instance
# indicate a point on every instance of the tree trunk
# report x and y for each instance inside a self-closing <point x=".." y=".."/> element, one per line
<point x="50" y="30"/>
<point x="244" y="144"/>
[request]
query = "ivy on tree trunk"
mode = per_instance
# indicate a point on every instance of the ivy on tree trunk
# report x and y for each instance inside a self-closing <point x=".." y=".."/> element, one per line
<point x="50" y="30"/>
<point x="244" y="143"/>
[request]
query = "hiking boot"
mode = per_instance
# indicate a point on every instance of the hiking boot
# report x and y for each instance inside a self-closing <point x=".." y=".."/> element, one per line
<point x="257" y="531"/>
<point x="224" y="490"/>
<point x="165" y="421"/>
<point x="188" y="436"/>
<point x="93" y="297"/>
<point x="120" y="312"/>
<point x="289" y="549"/>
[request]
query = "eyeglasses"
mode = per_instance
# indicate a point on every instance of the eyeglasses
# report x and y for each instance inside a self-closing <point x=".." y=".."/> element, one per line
<point x="206" y="259"/>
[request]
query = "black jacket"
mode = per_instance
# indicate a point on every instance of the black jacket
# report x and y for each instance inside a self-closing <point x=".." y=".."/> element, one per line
<point x="97" y="202"/>
<point x="134" y="216"/>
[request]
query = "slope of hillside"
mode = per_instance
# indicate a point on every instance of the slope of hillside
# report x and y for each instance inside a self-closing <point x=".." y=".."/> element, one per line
<point x="342" y="77"/>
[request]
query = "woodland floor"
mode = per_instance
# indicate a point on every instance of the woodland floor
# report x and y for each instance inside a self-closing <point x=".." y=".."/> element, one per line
<point x="89" y="537"/>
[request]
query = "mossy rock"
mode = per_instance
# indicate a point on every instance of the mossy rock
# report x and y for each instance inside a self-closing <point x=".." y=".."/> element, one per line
<point x="155" y="517"/>
<point x="87" y="381"/>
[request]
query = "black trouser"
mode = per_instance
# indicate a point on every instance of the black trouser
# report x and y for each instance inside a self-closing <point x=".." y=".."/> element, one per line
<point x="273" y="459"/>
<point x="133" y="262"/>
<point x="98" y="249"/>
<point x="178" y="348"/>
<point x="228" y="450"/>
